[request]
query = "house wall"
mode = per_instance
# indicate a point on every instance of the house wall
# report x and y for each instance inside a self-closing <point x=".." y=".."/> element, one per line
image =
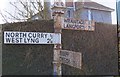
<point x="36" y="17"/>
<point x="97" y="15"/>
<point x="71" y="9"/>
<point x="102" y="16"/>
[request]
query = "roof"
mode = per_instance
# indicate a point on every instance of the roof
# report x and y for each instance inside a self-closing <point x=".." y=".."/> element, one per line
<point x="90" y="5"/>
<point x="69" y="3"/>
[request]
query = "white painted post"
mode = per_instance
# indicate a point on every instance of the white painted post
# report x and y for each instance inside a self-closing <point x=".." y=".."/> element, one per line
<point x="57" y="12"/>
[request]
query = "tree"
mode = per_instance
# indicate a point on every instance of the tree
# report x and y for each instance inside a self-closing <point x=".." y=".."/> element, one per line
<point x="26" y="9"/>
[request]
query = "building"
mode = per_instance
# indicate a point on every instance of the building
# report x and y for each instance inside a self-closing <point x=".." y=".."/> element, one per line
<point x="85" y="10"/>
<point x="89" y="10"/>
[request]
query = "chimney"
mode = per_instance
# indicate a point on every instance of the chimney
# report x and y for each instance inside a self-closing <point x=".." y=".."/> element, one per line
<point x="69" y="3"/>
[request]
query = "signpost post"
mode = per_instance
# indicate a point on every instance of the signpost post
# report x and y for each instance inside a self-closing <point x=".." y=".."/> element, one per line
<point x="74" y="58"/>
<point x="58" y="12"/>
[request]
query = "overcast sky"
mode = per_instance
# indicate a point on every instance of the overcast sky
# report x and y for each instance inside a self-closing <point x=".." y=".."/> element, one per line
<point x="109" y="3"/>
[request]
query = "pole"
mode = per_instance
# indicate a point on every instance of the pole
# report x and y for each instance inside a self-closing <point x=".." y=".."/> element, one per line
<point x="57" y="47"/>
<point x="57" y="12"/>
<point x="1" y="50"/>
<point x="118" y="31"/>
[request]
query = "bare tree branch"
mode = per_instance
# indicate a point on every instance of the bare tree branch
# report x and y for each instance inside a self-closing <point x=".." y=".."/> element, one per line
<point x="17" y="8"/>
<point x="3" y="17"/>
<point x="25" y="7"/>
<point x="33" y="3"/>
<point x="40" y="9"/>
<point x="12" y="16"/>
<point x="24" y="11"/>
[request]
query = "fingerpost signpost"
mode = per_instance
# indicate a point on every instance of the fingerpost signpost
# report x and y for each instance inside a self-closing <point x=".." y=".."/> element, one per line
<point x="58" y="12"/>
<point x="60" y="56"/>
<point x="73" y="59"/>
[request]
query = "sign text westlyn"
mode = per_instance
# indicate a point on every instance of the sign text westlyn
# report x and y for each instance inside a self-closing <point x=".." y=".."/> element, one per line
<point x="31" y="38"/>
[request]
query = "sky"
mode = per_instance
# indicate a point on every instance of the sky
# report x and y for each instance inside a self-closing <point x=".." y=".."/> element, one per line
<point x="109" y="3"/>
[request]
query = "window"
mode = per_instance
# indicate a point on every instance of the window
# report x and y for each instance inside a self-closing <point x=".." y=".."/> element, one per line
<point x="69" y="13"/>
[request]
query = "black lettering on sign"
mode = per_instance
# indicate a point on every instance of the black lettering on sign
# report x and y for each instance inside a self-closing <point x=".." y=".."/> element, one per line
<point x="21" y="40"/>
<point x="63" y="53"/>
<point x="33" y="40"/>
<point x="17" y="35"/>
<point x="42" y="35"/>
<point x="65" y="60"/>
<point x="8" y="40"/>
<point x="74" y="63"/>
<point x="23" y="35"/>
<point x="13" y="40"/>
<point x="46" y="35"/>
<point x="12" y="34"/>
<point x="30" y="35"/>
<point x="49" y="39"/>
<point x="7" y="34"/>
<point x="28" y="39"/>
<point x="17" y="40"/>
<point x="34" y="35"/>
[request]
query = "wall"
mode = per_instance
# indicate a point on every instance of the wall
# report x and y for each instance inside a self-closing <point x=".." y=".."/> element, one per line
<point x="71" y="9"/>
<point x="102" y="16"/>
<point x="98" y="16"/>
<point x="98" y="48"/>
